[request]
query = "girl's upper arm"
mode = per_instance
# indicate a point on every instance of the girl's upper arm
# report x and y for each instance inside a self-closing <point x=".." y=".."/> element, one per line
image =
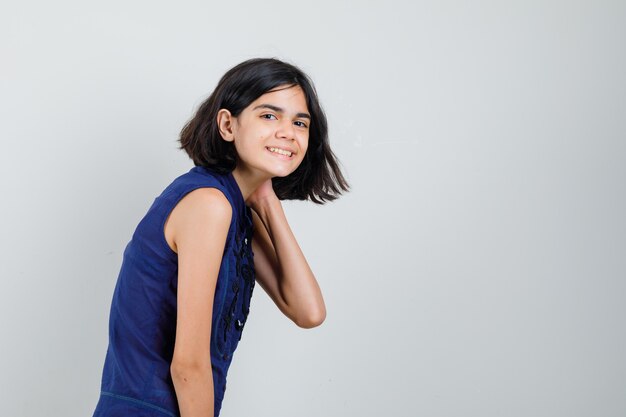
<point x="266" y="264"/>
<point x="200" y="223"/>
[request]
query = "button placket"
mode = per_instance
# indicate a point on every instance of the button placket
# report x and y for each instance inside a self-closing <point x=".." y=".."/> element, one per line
<point x="242" y="286"/>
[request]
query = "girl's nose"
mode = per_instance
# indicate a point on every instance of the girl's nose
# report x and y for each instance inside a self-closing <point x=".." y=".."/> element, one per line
<point x="286" y="130"/>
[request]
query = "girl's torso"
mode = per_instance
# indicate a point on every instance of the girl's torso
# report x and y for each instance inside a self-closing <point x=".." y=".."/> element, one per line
<point x="142" y="320"/>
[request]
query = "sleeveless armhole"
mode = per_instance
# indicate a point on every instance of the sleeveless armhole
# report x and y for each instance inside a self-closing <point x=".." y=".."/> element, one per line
<point x="174" y="202"/>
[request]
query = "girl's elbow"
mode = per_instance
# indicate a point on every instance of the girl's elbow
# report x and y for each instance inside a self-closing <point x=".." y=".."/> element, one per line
<point x="312" y="320"/>
<point x="181" y="369"/>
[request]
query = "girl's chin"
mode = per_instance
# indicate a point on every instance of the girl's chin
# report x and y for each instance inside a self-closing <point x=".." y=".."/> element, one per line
<point x="280" y="174"/>
<point x="274" y="170"/>
<point x="281" y="170"/>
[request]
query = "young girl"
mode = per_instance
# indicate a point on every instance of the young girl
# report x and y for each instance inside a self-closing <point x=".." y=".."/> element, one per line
<point x="183" y="292"/>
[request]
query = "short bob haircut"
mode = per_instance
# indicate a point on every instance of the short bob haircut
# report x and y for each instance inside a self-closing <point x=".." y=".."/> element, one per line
<point x="318" y="177"/>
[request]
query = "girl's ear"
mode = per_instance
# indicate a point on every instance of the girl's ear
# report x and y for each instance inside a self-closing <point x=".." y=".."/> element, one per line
<point x="225" y="124"/>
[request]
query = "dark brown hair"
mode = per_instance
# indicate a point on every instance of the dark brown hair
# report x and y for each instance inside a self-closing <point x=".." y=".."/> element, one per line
<point x="318" y="178"/>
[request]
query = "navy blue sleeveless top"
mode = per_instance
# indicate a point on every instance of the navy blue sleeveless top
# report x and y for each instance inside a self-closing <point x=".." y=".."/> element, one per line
<point x="136" y="377"/>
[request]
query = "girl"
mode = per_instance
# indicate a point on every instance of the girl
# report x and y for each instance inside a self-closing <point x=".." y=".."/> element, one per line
<point x="183" y="292"/>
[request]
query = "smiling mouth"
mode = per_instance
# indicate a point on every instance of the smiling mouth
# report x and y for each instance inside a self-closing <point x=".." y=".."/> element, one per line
<point x="280" y="152"/>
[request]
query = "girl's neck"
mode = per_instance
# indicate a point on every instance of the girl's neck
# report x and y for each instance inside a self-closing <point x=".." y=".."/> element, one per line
<point x="248" y="181"/>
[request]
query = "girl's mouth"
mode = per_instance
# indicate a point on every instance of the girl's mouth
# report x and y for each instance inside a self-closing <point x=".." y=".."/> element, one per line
<point x="279" y="153"/>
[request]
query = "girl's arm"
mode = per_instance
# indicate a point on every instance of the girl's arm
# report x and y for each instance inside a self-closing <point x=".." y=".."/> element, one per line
<point x="199" y="225"/>
<point x="281" y="268"/>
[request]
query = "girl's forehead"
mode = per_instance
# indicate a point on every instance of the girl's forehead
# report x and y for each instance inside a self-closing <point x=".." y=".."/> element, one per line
<point x="292" y="96"/>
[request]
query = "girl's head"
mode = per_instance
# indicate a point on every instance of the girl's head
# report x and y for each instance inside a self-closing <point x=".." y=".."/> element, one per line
<point x="317" y="178"/>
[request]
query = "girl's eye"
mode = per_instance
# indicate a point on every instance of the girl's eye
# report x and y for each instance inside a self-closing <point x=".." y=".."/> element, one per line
<point x="302" y="124"/>
<point x="268" y="114"/>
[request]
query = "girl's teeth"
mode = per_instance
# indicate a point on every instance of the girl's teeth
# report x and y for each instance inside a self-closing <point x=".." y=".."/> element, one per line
<point x="280" y="151"/>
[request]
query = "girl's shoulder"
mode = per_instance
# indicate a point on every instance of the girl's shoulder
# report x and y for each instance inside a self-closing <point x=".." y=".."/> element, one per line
<point x="154" y="225"/>
<point x="198" y="177"/>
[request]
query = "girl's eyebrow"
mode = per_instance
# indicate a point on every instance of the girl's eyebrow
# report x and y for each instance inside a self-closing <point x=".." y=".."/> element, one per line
<point x="280" y="110"/>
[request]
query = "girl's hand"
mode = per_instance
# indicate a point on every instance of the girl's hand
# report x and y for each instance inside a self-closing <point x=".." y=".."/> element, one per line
<point x="263" y="194"/>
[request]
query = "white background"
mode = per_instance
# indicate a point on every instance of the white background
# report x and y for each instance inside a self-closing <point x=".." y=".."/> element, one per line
<point x="476" y="268"/>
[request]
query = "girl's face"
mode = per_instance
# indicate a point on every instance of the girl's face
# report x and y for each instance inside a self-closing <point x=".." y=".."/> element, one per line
<point x="271" y="135"/>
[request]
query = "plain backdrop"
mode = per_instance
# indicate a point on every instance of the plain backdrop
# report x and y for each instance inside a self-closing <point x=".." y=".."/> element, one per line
<point x="476" y="268"/>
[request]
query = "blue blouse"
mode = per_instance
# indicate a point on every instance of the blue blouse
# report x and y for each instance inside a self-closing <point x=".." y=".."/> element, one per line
<point x="142" y="322"/>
